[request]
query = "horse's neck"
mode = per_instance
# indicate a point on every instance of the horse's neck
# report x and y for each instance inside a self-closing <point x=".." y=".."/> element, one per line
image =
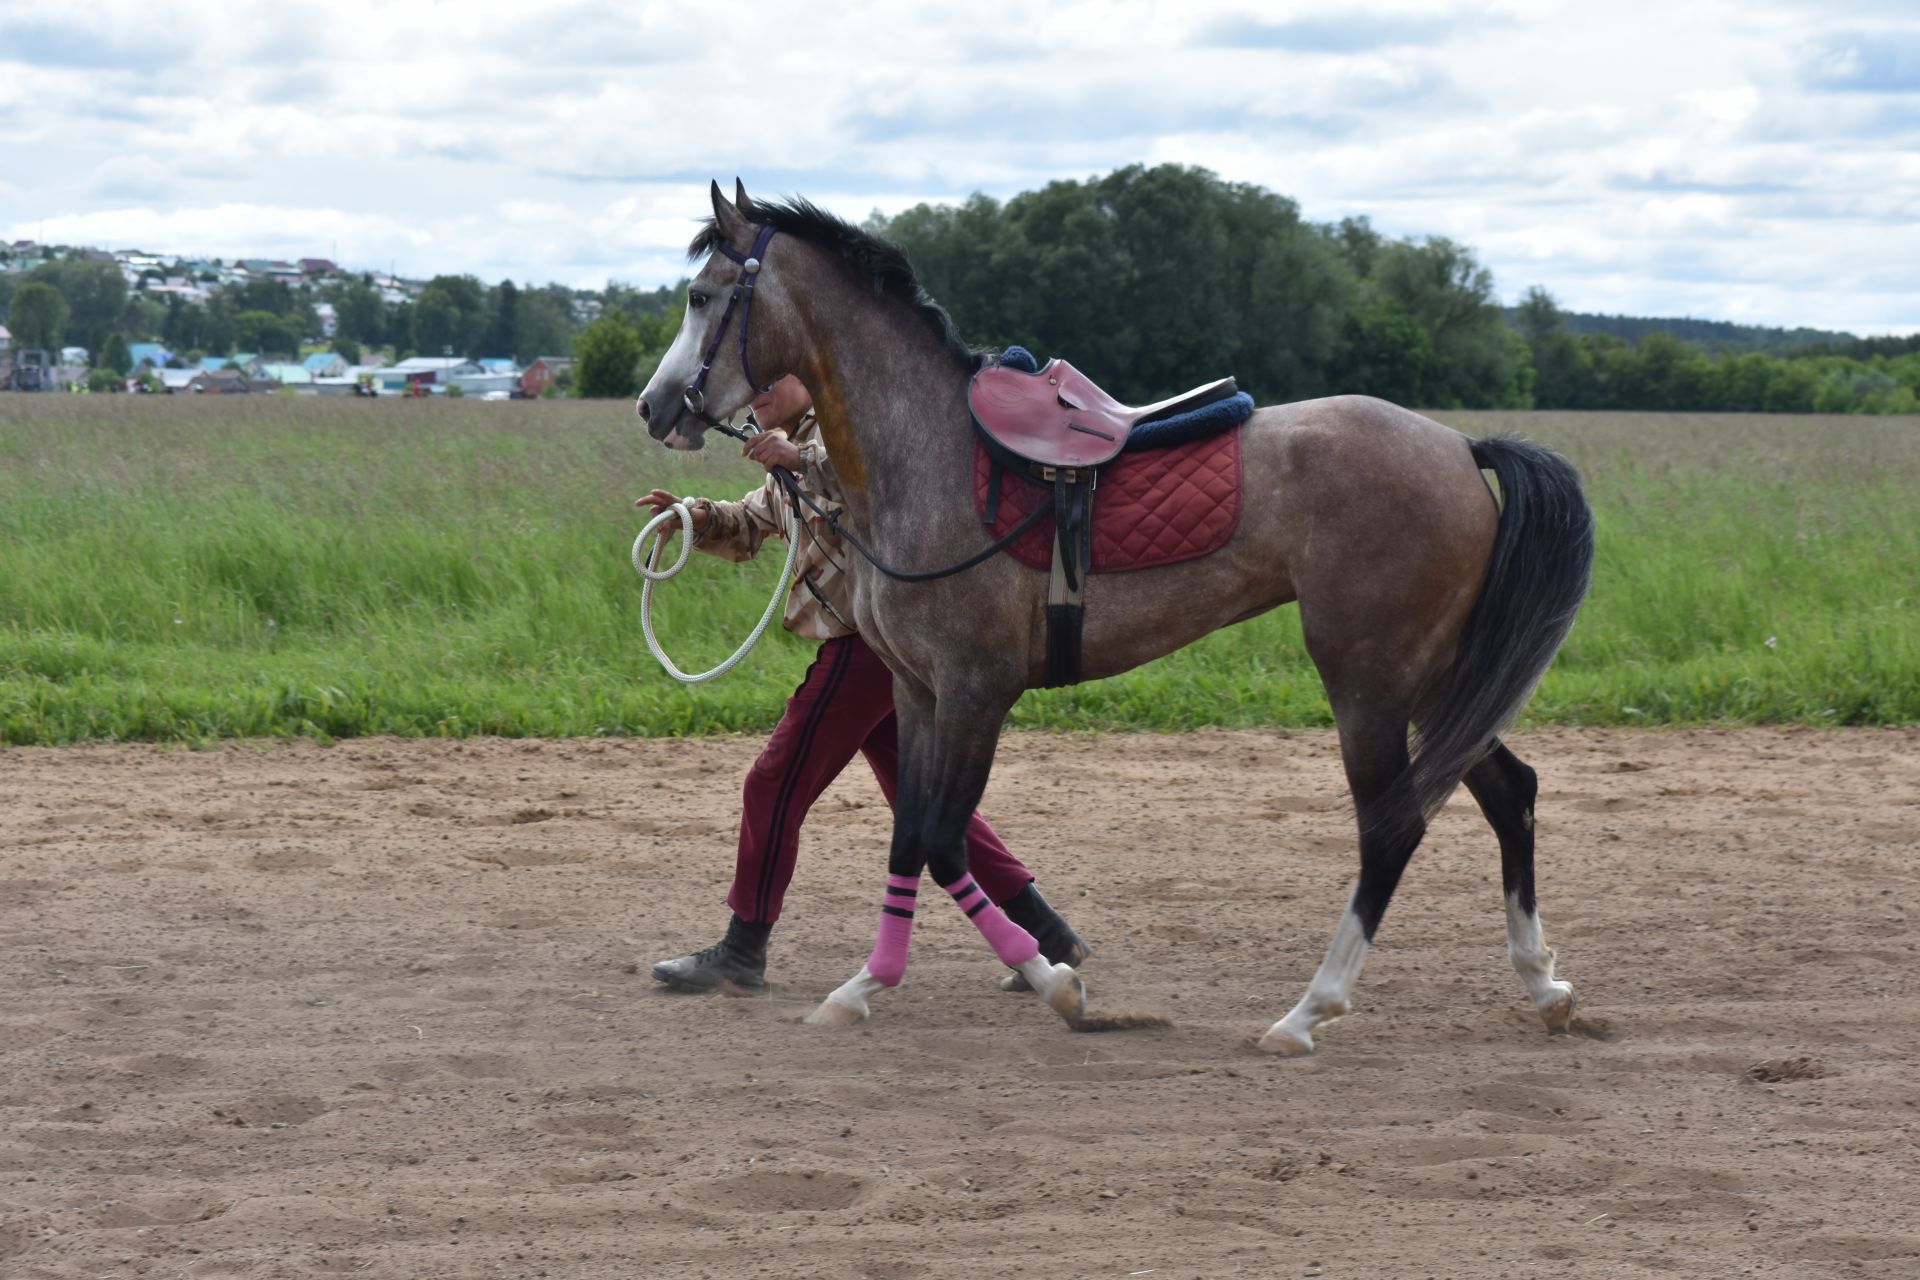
<point x="892" y="409"/>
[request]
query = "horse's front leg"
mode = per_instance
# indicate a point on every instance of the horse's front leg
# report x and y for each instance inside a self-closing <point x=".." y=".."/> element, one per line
<point x="887" y="964"/>
<point x="946" y="753"/>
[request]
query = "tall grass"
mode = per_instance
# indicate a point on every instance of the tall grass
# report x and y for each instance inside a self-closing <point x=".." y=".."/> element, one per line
<point x="185" y="569"/>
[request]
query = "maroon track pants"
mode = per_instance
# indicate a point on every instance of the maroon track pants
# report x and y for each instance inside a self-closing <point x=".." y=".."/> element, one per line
<point x="843" y="705"/>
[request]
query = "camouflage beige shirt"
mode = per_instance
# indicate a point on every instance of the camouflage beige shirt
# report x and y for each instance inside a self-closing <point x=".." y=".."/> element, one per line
<point x="819" y="607"/>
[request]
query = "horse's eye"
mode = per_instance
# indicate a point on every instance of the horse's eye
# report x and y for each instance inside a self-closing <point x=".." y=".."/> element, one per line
<point x="696" y="300"/>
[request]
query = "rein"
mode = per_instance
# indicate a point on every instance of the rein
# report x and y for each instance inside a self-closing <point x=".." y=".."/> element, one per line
<point x="986" y="553"/>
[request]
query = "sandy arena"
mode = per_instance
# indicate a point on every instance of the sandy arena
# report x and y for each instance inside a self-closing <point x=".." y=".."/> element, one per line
<point x="372" y="1010"/>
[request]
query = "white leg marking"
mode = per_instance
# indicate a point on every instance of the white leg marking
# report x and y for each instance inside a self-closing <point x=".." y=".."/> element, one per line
<point x="1327" y="994"/>
<point x="1057" y="984"/>
<point x="848" y="1002"/>
<point x="1533" y="961"/>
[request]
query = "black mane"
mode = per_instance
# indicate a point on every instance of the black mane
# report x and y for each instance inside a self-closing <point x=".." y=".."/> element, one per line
<point x="879" y="261"/>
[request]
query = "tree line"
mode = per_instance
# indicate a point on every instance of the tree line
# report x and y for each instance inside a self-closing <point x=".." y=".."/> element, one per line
<point x="88" y="303"/>
<point x="1154" y="279"/>
<point x="1660" y="372"/>
<point x="1149" y="278"/>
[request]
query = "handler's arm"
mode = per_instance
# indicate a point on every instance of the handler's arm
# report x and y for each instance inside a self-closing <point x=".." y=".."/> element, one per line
<point x="735" y="530"/>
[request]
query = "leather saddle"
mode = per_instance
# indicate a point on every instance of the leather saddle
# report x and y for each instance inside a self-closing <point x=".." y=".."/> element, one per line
<point x="1059" y="428"/>
<point x="1058" y="417"/>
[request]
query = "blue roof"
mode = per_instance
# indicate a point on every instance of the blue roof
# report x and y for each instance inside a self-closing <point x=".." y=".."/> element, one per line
<point x="498" y="364"/>
<point x="151" y="352"/>
<point x="320" y="360"/>
<point x="213" y="364"/>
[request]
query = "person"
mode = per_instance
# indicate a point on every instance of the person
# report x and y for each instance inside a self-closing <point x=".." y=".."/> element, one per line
<point x="844" y="705"/>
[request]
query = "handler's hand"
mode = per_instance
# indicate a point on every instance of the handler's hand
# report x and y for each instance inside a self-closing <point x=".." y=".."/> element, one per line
<point x="660" y="500"/>
<point x="771" y="449"/>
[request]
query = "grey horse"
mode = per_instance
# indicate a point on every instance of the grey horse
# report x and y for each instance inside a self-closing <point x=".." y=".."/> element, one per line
<point x="1430" y="606"/>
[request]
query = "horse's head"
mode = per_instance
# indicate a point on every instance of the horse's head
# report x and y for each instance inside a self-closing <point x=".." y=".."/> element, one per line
<point x="730" y="346"/>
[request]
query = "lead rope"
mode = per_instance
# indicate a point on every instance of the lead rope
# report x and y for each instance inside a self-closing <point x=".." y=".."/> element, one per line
<point x="649" y="568"/>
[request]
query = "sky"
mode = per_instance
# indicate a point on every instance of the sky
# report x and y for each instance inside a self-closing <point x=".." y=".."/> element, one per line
<point x="1748" y="160"/>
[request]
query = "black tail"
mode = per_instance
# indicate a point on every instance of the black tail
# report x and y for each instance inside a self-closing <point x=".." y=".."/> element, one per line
<point x="1541" y="566"/>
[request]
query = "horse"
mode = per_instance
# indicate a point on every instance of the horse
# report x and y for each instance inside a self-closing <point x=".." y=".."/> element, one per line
<point x="1430" y="605"/>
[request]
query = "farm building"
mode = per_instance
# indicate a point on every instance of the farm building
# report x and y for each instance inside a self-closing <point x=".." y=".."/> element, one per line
<point x="426" y="373"/>
<point x="220" y="382"/>
<point x="325" y="364"/>
<point x="541" y="373"/>
<point x="485" y="377"/>
<point x="287" y="375"/>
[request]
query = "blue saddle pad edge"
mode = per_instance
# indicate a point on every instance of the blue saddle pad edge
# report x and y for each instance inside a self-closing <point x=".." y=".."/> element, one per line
<point x="1195" y="424"/>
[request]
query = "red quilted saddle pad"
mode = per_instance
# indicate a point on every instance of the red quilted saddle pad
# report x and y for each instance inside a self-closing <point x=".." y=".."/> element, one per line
<point x="1154" y="507"/>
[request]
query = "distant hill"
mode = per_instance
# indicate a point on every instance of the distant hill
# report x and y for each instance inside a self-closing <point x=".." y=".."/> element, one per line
<point x="1710" y="335"/>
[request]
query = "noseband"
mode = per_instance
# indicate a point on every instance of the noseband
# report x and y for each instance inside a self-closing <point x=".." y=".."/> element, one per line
<point x="694" y="397"/>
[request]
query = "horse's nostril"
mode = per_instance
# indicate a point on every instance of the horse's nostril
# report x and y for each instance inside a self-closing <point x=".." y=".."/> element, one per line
<point x="645" y="413"/>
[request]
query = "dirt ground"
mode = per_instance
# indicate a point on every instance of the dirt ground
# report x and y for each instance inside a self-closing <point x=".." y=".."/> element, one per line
<point x="371" y="1010"/>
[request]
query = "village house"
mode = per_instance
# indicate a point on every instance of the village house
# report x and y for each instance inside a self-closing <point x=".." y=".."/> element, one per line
<point x="325" y="364"/>
<point x="475" y="378"/>
<point x="292" y="376"/>
<point x="220" y="382"/>
<point x="429" y="373"/>
<point x="541" y="373"/>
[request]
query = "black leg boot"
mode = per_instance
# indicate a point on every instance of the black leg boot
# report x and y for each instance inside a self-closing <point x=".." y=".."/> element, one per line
<point x="739" y="960"/>
<point x="1058" y="942"/>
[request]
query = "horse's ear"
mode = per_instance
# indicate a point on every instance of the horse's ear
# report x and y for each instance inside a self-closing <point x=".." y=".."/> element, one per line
<point x="733" y="224"/>
<point x="740" y="200"/>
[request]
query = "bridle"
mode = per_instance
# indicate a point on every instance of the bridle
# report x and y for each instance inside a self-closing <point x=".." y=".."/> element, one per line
<point x="695" y="400"/>
<point x="695" y="396"/>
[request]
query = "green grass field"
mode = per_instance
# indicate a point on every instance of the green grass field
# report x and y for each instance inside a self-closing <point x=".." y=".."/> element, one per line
<point x="188" y="569"/>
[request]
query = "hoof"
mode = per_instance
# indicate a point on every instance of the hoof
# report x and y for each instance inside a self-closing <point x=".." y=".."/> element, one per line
<point x="1559" y="1015"/>
<point x="1069" y="998"/>
<point x="1285" y="1044"/>
<point x="832" y="1013"/>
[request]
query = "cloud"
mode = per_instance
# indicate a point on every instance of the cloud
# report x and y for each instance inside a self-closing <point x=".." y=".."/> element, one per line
<point x="1751" y="157"/>
<point x="1358" y="33"/>
<point x="131" y="178"/>
<point x="1865" y="62"/>
<point x="43" y="43"/>
<point x="1661" y="182"/>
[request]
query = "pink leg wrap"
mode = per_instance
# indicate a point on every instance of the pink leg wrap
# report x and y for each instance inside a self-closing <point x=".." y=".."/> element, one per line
<point x="888" y="963"/>
<point x="1014" y="945"/>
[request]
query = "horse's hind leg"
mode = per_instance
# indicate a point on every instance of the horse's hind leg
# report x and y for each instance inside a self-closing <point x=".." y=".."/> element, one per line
<point x="1373" y="745"/>
<point x="1505" y="788"/>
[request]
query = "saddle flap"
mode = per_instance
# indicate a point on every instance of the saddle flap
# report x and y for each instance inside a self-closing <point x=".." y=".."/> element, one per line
<point x="1055" y="417"/>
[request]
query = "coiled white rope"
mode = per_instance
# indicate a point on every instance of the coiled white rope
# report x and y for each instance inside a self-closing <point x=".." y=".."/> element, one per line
<point x="649" y="568"/>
